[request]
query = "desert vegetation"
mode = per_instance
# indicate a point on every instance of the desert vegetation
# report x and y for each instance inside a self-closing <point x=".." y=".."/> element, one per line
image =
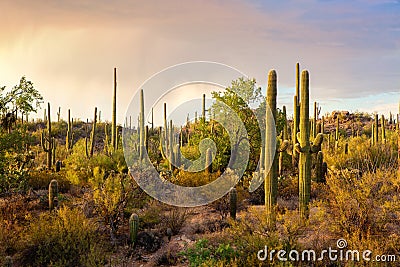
<point x="69" y="198"/>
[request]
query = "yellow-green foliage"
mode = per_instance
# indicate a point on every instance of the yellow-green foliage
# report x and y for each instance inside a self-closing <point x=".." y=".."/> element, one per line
<point x="363" y="156"/>
<point x="63" y="238"/>
<point x="110" y="194"/>
<point x="194" y="178"/>
<point x="41" y="180"/>
<point x="365" y="210"/>
<point x="80" y="169"/>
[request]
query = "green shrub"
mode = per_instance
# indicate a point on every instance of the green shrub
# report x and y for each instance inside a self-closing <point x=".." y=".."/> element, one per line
<point x="204" y="254"/>
<point x="63" y="238"/>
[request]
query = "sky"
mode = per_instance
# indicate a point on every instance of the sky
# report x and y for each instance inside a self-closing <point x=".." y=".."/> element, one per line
<point x="68" y="49"/>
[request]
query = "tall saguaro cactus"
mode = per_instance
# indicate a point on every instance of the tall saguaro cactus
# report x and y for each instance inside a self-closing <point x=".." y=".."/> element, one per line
<point x="70" y="135"/>
<point x="284" y="137"/>
<point x="47" y="141"/>
<point x="203" y="113"/>
<point x="376" y="129"/>
<point x="305" y="148"/>
<point x="337" y="134"/>
<point x="114" y="114"/>
<point x="141" y="128"/>
<point x="383" y="129"/>
<point x="89" y="151"/>
<point x="296" y="115"/>
<point x="271" y="176"/>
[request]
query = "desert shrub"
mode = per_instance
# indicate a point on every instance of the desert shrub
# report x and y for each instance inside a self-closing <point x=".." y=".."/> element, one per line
<point x="41" y="179"/>
<point x="63" y="238"/>
<point x="15" y="160"/>
<point x="151" y="215"/>
<point x="362" y="156"/>
<point x="110" y="195"/>
<point x="363" y="207"/>
<point x="174" y="219"/>
<point x="80" y="168"/>
<point x="193" y="179"/>
<point x="77" y="164"/>
<point x="204" y="254"/>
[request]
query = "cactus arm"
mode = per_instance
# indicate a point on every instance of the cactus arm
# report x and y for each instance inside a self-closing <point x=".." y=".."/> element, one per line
<point x="284" y="146"/>
<point x="317" y="143"/>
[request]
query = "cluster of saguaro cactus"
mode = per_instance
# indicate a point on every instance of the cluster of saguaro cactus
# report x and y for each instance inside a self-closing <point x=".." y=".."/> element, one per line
<point x="53" y="191"/>
<point x="89" y="144"/>
<point x="167" y="148"/>
<point x="69" y="139"/>
<point x="271" y="177"/>
<point x="133" y="228"/>
<point x="305" y="148"/>
<point x="48" y="141"/>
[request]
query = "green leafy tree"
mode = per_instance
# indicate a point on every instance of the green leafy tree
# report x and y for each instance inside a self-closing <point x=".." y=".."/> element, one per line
<point x="239" y="98"/>
<point x="22" y="98"/>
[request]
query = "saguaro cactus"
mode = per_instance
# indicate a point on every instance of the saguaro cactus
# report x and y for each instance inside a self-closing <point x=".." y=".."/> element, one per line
<point x="171" y="147"/>
<point x="177" y="155"/>
<point x="47" y="141"/>
<point x="271" y="177"/>
<point x="114" y="114"/>
<point x="284" y="137"/>
<point x="133" y="227"/>
<point x="296" y="116"/>
<point x="89" y="151"/>
<point x="142" y="147"/>
<point x="203" y="113"/>
<point x="70" y="135"/>
<point x="319" y="168"/>
<point x="337" y="134"/>
<point x="53" y="191"/>
<point x="233" y="203"/>
<point x="166" y="133"/>
<point x="305" y="148"/>
<point x="376" y="129"/>
<point x="59" y="114"/>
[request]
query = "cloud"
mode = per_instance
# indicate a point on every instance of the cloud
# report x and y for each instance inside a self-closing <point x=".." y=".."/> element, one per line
<point x="69" y="48"/>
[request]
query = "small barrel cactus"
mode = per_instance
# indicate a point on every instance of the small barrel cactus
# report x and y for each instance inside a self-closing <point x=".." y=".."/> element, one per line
<point x="53" y="191"/>
<point x="133" y="227"/>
